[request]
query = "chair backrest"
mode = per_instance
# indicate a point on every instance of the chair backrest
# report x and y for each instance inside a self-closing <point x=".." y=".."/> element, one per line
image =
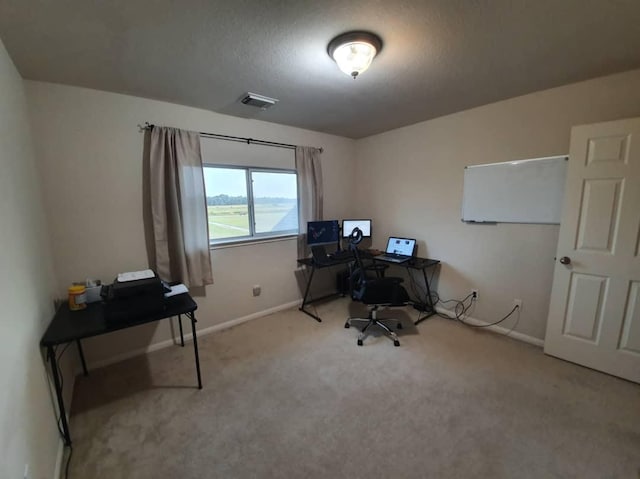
<point x="354" y="240"/>
<point x="358" y="276"/>
<point x="372" y="289"/>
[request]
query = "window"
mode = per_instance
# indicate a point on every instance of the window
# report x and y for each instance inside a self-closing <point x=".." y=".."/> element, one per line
<point x="247" y="203"/>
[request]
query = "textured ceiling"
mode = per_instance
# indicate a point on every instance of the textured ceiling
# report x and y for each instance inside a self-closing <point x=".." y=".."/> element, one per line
<point x="439" y="56"/>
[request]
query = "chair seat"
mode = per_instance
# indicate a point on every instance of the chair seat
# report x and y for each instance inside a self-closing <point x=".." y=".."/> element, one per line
<point x="376" y="292"/>
<point x="384" y="291"/>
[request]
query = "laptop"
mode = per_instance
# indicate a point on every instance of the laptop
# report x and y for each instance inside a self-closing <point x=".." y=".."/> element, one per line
<point x="399" y="250"/>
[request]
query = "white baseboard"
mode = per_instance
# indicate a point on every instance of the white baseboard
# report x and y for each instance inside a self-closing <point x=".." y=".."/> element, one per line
<point x="187" y="336"/>
<point x="497" y="329"/>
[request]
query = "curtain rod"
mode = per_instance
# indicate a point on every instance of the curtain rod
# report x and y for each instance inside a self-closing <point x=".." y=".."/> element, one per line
<point x="248" y="141"/>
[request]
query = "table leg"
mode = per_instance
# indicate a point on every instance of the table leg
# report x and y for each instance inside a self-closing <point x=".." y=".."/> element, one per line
<point x="181" y="334"/>
<point x="306" y="291"/>
<point x="426" y="282"/>
<point x="81" y="354"/>
<point x="306" y="295"/>
<point x="195" y="347"/>
<point x="58" y="386"/>
<point x="429" y="300"/>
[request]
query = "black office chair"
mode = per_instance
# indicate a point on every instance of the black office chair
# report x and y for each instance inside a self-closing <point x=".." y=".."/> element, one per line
<point x="376" y="292"/>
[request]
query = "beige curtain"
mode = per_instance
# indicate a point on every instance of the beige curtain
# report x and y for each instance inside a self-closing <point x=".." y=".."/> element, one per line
<point x="178" y="207"/>
<point x="310" y="194"/>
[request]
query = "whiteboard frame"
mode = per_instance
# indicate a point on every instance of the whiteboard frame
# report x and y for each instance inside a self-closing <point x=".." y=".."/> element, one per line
<point x="470" y="215"/>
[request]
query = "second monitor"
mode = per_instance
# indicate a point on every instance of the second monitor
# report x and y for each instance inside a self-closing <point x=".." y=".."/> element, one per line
<point x="349" y="225"/>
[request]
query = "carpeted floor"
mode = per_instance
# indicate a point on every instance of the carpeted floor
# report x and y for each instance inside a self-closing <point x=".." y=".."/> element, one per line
<point x="286" y="397"/>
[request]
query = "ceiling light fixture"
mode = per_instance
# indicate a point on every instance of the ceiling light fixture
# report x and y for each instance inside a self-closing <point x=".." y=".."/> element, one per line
<point x="354" y="51"/>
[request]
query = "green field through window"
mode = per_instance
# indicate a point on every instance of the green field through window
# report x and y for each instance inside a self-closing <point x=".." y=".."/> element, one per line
<point x="228" y="221"/>
<point x="246" y="202"/>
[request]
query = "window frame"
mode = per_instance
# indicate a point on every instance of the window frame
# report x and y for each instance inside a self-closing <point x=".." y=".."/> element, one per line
<point x="254" y="237"/>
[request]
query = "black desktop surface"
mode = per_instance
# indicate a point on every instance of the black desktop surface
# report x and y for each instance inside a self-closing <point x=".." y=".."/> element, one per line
<point x="70" y="325"/>
<point x="329" y="262"/>
<point x="417" y="262"/>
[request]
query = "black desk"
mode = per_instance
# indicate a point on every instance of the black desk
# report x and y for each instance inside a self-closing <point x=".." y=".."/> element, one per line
<point x="67" y="326"/>
<point x="421" y="264"/>
<point x="416" y="263"/>
<point x="314" y="265"/>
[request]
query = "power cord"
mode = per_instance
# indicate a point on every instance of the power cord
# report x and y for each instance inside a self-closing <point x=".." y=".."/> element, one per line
<point x="66" y="469"/>
<point x="58" y="356"/>
<point x="492" y="324"/>
<point x="461" y="310"/>
<point x="61" y="376"/>
<point x="515" y="324"/>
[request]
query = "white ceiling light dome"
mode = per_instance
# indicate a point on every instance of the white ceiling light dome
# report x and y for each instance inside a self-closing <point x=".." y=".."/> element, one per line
<point x="354" y="51"/>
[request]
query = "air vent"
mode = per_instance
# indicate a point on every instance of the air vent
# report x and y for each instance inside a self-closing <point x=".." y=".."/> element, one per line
<point x="259" y="101"/>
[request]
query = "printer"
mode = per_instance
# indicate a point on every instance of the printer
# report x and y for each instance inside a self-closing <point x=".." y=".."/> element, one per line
<point x="134" y="294"/>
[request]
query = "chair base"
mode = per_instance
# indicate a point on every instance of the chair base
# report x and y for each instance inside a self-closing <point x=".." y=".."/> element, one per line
<point x="372" y="320"/>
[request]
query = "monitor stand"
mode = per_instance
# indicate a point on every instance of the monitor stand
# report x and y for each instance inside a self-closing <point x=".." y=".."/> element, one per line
<point x="339" y="247"/>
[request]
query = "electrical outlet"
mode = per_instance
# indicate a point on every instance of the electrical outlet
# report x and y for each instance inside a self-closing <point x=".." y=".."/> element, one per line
<point x="518" y="303"/>
<point x="257" y="290"/>
<point x="474" y="295"/>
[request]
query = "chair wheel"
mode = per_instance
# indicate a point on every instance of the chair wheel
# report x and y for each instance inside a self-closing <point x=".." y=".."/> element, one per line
<point x="396" y="343"/>
<point x="399" y="325"/>
<point x="359" y="342"/>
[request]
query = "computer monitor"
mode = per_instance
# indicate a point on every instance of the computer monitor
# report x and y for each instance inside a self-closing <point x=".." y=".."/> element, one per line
<point x="323" y="232"/>
<point x="364" y="225"/>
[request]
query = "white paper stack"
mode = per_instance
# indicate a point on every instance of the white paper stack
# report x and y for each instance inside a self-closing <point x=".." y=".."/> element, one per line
<point x="177" y="289"/>
<point x="135" y="275"/>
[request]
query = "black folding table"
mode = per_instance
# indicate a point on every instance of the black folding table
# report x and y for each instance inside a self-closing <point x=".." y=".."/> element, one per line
<point x="69" y="326"/>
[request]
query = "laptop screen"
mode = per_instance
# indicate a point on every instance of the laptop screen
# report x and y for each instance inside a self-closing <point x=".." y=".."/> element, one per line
<point x="403" y="246"/>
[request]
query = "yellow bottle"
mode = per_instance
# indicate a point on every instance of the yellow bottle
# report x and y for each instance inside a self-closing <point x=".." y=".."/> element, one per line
<point x="77" y="297"/>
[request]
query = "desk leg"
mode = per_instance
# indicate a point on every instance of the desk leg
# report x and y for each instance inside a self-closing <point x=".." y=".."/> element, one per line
<point x="58" y="386"/>
<point x="181" y="333"/>
<point x="81" y="354"/>
<point x="195" y="347"/>
<point x="428" y="301"/>
<point x="306" y="295"/>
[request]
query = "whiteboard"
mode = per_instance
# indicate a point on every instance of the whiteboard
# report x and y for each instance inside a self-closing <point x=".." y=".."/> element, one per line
<point x="523" y="191"/>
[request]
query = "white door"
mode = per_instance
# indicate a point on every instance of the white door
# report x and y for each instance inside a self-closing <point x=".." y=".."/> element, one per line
<point x="594" y="313"/>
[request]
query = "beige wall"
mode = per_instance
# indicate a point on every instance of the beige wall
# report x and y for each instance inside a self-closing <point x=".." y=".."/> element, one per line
<point x="28" y="433"/>
<point x="90" y="155"/>
<point x="410" y="181"/>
